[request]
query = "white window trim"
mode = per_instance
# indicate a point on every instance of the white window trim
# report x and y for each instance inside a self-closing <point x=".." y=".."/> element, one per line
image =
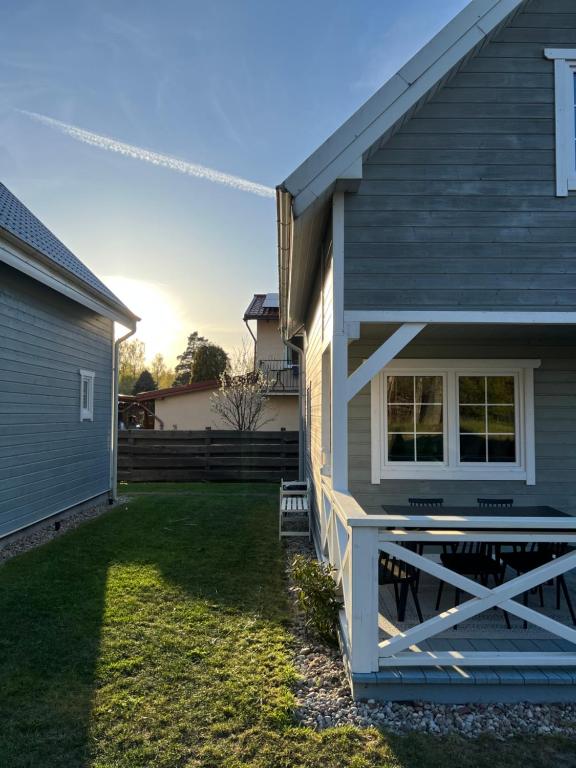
<point x="564" y="70"/>
<point x="523" y="469"/>
<point x="87" y="414"/>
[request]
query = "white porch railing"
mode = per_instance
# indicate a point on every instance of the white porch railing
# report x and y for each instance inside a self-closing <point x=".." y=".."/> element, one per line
<point x="351" y="541"/>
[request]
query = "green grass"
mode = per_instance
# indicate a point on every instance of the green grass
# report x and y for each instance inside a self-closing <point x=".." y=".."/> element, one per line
<point x="155" y="636"/>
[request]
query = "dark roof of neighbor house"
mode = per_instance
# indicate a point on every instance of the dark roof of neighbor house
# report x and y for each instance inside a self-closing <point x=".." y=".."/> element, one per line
<point x="263" y="306"/>
<point x="157" y="394"/>
<point x="20" y="223"/>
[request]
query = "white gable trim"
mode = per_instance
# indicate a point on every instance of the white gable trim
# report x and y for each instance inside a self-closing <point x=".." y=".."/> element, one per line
<point x="41" y="273"/>
<point x="395" y="99"/>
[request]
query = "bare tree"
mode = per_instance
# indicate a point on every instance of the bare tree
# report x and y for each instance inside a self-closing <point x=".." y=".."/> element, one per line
<point x="242" y="397"/>
<point x="132" y="355"/>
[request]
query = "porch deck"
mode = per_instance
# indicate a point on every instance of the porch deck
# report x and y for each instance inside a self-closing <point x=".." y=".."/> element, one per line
<point x="486" y="633"/>
<point x="456" y="654"/>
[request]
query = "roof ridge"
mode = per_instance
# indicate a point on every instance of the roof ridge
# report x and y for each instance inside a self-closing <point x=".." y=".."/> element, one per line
<point x="18" y="221"/>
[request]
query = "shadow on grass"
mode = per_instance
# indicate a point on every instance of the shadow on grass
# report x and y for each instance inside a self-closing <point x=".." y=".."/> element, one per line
<point x="121" y="571"/>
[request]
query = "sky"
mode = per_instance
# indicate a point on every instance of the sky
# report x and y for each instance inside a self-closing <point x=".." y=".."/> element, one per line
<point x="244" y="88"/>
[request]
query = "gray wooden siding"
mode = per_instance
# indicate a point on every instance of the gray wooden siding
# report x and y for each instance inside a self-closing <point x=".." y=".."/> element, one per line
<point x="49" y="460"/>
<point x="555" y="417"/>
<point x="458" y="210"/>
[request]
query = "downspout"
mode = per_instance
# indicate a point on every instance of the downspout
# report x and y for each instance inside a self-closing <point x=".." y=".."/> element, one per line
<point x="254" y="337"/>
<point x="113" y="492"/>
<point x="300" y="353"/>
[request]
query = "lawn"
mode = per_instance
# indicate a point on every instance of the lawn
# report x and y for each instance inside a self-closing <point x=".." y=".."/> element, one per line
<point x="157" y="635"/>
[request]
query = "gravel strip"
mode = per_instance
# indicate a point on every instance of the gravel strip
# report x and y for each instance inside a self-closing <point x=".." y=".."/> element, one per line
<point x="324" y="700"/>
<point x="47" y="531"/>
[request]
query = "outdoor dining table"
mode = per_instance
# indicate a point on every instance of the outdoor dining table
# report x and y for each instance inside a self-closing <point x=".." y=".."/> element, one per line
<point x="458" y="514"/>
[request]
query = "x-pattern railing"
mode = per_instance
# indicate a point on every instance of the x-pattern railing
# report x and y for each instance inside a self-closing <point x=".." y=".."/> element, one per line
<point x="484" y="598"/>
<point x="351" y="541"/>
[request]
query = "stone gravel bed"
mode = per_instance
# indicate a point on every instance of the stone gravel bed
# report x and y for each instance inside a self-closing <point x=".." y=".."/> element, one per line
<point x="51" y="529"/>
<point x="323" y="698"/>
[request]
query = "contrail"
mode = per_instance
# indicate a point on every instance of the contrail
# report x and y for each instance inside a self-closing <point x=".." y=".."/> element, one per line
<point x="165" y="161"/>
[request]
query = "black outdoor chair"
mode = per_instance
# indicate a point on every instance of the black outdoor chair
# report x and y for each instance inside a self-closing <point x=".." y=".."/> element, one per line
<point x="522" y="560"/>
<point x="425" y="503"/>
<point x="404" y="578"/>
<point x="476" y="559"/>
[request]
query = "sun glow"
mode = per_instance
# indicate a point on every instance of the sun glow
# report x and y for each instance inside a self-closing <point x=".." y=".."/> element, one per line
<point x="162" y="327"/>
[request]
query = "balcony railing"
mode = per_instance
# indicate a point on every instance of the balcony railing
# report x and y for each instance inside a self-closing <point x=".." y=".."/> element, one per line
<point x="280" y="376"/>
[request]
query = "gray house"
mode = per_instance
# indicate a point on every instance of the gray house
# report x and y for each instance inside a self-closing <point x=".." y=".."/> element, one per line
<point x="57" y="374"/>
<point x="427" y="261"/>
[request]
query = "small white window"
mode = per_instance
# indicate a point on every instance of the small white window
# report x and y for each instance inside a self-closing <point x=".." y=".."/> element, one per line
<point x="454" y="420"/>
<point x="87" y="395"/>
<point x="565" y="98"/>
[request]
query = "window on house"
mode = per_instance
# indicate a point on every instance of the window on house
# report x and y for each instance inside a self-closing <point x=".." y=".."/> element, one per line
<point x="565" y="98"/>
<point x="415" y="418"/>
<point x="487" y="419"/>
<point x="454" y="420"/>
<point x="87" y="395"/>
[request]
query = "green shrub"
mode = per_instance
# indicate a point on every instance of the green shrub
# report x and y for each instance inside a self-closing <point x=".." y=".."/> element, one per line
<point x="316" y="594"/>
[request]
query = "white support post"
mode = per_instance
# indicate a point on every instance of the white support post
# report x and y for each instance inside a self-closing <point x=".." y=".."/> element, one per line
<point x="363" y="628"/>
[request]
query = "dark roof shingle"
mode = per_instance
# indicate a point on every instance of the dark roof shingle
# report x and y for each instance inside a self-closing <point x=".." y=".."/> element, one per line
<point x="21" y="223"/>
<point x="263" y="306"/>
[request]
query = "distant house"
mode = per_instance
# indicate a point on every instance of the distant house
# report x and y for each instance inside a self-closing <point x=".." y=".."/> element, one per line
<point x="427" y="261"/>
<point x="57" y="374"/>
<point x="188" y="406"/>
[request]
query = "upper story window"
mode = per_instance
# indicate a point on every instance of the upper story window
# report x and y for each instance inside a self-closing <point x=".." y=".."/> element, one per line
<point x="454" y="420"/>
<point x="565" y="99"/>
<point x="87" y="395"/>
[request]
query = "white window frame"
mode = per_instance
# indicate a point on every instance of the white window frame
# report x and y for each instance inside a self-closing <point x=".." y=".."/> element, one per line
<point x="524" y="468"/>
<point x="87" y="413"/>
<point x="564" y="71"/>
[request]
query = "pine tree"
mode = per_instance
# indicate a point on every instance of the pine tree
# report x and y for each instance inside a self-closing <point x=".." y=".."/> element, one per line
<point x="183" y="370"/>
<point x="144" y="383"/>
<point x="210" y="362"/>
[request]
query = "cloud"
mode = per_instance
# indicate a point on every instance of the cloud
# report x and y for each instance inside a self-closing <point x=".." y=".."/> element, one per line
<point x="155" y="158"/>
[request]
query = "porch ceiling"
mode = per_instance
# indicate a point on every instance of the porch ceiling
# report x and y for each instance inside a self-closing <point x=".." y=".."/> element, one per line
<point x="552" y="335"/>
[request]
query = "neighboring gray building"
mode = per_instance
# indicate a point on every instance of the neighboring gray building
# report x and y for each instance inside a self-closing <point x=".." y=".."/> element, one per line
<point x="427" y="260"/>
<point x="57" y="373"/>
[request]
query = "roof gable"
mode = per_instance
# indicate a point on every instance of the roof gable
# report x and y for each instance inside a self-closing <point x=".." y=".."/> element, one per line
<point x="396" y="99"/>
<point x="18" y="221"/>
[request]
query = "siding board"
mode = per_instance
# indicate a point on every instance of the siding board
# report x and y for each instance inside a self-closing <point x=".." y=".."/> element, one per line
<point x="49" y="460"/>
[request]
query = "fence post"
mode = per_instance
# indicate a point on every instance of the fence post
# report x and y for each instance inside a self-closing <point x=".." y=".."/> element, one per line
<point x="363" y="629"/>
<point x="207" y="444"/>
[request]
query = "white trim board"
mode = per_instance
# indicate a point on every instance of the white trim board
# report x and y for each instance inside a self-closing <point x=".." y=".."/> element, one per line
<point x="459" y="317"/>
<point x="564" y="72"/>
<point x="27" y="265"/>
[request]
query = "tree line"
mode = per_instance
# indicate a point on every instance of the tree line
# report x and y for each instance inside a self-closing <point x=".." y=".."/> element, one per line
<point x="201" y="360"/>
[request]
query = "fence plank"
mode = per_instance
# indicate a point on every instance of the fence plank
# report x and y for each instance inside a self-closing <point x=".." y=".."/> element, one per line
<point x="207" y="455"/>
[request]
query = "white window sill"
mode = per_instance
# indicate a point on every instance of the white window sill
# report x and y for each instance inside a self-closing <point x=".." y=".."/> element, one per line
<point x="454" y="473"/>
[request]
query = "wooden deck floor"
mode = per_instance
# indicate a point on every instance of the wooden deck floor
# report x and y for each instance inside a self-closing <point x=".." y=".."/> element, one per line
<point x="488" y="632"/>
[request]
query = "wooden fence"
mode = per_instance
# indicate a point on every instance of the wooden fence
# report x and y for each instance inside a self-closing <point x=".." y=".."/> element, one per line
<point x="154" y="456"/>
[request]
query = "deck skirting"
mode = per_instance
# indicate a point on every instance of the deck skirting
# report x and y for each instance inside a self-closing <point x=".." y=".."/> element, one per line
<point x="480" y="686"/>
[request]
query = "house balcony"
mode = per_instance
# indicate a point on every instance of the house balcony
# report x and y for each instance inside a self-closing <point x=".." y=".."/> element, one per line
<point x="280" y="377"/>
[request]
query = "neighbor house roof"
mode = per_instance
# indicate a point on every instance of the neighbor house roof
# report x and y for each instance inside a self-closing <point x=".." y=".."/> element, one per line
<point x="302" y="199"/>
<point x="19" y="225"/>
<point x="185" y="389"/>
<point x="263" y="306"/>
